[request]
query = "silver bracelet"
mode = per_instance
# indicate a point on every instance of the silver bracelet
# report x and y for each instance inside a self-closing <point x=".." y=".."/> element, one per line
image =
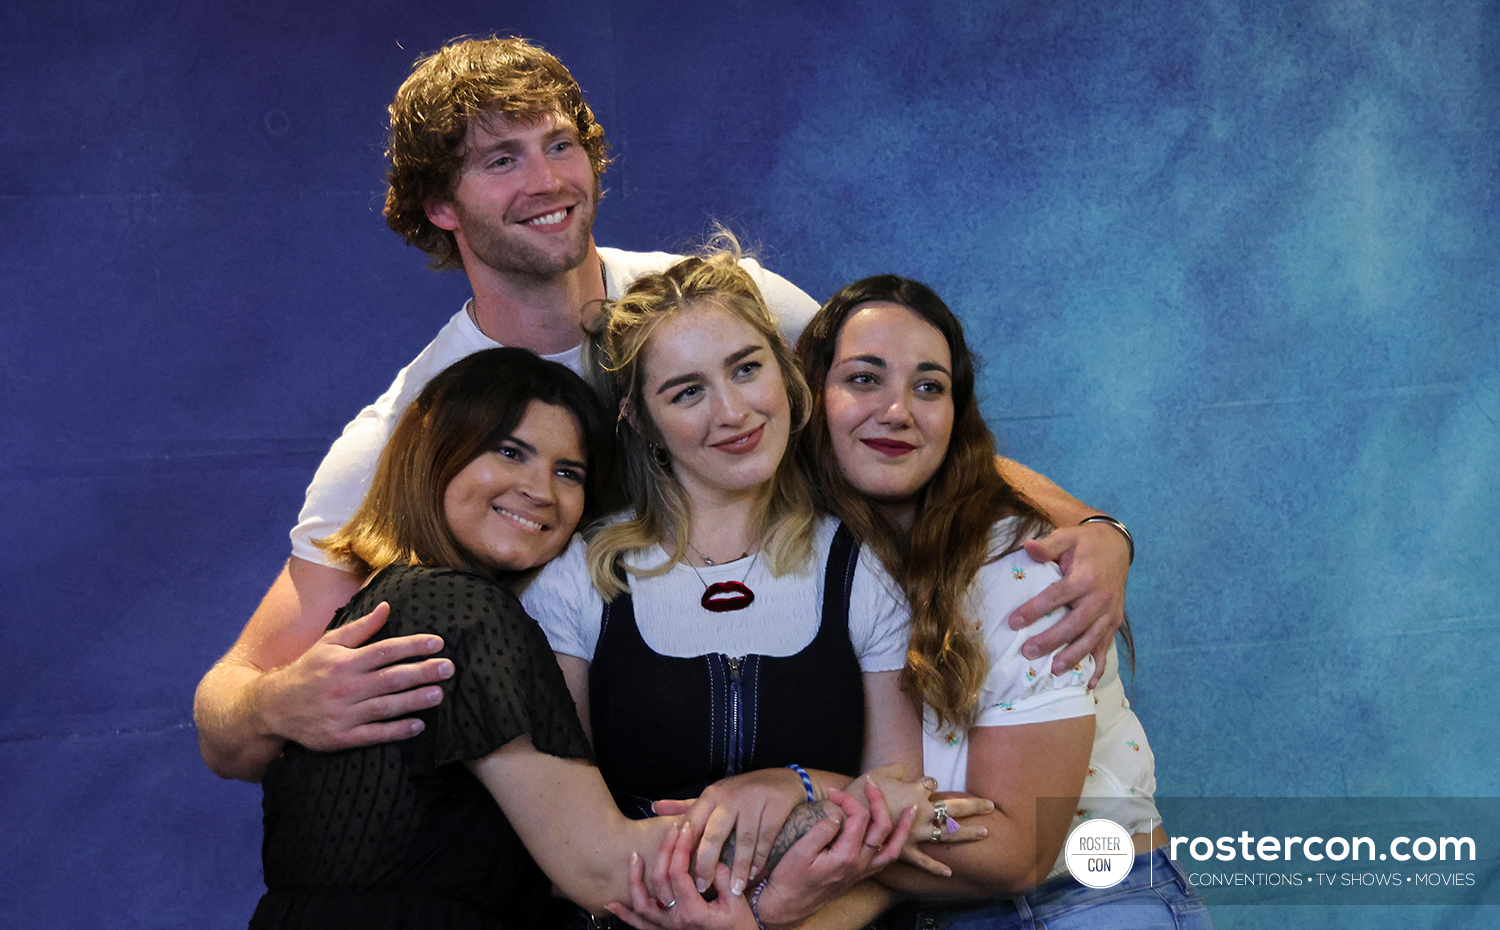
<point x="1106" y="518"/>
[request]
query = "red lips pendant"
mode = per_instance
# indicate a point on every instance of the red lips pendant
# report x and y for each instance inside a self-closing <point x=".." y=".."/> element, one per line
<point x="723" y="596"/>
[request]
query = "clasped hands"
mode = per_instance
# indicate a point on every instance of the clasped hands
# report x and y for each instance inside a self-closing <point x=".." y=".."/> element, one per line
<point x="805" y="854"/>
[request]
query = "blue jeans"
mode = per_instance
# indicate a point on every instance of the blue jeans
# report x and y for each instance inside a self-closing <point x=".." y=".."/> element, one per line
<point x="1156" y="894"/>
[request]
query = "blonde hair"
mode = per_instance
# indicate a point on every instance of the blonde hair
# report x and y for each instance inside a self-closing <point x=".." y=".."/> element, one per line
<point x="784" y="516"/>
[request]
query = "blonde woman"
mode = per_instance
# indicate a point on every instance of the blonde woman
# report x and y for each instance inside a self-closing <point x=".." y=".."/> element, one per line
<point x="723" y="626"/>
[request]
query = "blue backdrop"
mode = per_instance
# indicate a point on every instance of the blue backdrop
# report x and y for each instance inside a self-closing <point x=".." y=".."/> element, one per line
<point x="1232" y="267"/>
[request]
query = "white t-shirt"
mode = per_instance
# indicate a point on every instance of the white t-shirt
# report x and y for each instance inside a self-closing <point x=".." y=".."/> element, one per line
<point x="1121" y="780"/>
<point x="340" y="483"/>
<point x="782" y="621"/>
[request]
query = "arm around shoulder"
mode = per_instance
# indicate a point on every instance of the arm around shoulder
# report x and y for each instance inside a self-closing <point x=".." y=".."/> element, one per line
<point x="1062" y="508"/>
<point x="285" y="678"/>
<point x="1095" y="560"/>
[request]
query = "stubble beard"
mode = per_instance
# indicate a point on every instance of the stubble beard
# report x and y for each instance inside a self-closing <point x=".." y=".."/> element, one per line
<point x="508" y="253"/>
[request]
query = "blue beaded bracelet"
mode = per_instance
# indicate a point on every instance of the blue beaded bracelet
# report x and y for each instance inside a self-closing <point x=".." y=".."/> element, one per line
<point x="755" y="896"/>
<point x="806" y="781"/>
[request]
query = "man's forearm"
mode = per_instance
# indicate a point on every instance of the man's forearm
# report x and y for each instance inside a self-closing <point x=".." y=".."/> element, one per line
<point x="1062" y="508"/>
<point x="797" y="823"/>
<point x="231" y="736"/>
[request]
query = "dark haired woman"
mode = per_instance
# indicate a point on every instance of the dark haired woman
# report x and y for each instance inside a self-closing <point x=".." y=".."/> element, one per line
<point x="903" y="456"/>
<point x="485" y="478"/>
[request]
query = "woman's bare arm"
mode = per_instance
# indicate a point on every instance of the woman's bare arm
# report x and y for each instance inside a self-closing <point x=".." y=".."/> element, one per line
<point x="893" y="728"/>
<point x="568" y="820"/>
<point x="1012" y="766"/>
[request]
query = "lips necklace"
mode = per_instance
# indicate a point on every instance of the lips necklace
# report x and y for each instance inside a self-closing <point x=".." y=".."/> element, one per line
<point x="723" y="596"/>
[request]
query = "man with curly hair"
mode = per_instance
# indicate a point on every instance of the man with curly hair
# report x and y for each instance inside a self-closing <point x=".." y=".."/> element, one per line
<point x="496" y="161"/>
<point x="495" y="170"/>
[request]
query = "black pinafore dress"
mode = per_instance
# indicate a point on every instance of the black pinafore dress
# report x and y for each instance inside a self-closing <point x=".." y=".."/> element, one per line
<point x="667" y="727"/>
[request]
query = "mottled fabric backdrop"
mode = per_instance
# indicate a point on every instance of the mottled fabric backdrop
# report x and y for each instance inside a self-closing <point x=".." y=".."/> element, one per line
<point x="1232" y="267"/>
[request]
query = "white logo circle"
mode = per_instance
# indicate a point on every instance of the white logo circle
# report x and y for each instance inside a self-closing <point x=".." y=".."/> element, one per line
<point x="1099" y="853"/>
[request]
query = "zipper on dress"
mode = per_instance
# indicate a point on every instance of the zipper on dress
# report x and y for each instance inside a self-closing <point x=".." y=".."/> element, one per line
<point x="736" y="760"/>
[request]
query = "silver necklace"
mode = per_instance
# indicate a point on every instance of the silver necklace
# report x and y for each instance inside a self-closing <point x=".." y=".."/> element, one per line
<point x="708" y="561"/>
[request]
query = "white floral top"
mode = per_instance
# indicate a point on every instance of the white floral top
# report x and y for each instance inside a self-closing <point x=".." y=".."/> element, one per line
<point x="1121" y="779"/>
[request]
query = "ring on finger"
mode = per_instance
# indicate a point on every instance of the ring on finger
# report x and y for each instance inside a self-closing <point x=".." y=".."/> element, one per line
<point x="940" y="813"/>
<point x="670" y="904"/>
<point x="948" y="822"/>
<point x="937" y="833"/>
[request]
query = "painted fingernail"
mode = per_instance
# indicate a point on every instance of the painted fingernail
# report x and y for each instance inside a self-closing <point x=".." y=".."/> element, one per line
<point x="634" y="857"/>
<point x="702" y="884"/>
<point x="737" y="887"/>
<point x="754" y="871"/>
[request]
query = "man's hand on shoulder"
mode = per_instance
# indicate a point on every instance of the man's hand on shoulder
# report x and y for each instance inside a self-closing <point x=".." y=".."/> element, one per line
<point x="345" y="691"/>
<point x="288" y="677"/>
<point x="1095" y="562"/>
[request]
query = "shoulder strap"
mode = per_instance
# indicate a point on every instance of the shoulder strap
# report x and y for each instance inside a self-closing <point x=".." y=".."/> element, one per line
<point x="622" y="599"/>
<point x="838" y="580"/>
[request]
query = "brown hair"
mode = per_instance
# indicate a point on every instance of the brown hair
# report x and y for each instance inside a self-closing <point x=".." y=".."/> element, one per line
<point x="467" y="80"/>
<point x="785" y="514"/>
<point x="470" y="407"/>
<point x="937" y="560"/>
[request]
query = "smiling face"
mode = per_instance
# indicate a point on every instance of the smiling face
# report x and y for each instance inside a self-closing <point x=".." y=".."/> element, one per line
<point x="525" y="197"/>
<point x="889" y="402"/>
<point x="715" y="394"/>
<point x="516" y="506"/>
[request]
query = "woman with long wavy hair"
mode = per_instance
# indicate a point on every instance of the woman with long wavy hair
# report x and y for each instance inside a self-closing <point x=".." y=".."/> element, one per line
<point x="902" y="454"/>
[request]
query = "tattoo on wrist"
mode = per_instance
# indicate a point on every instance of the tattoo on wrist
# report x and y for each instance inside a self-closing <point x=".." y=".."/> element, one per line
<point x="802" y="818"/>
